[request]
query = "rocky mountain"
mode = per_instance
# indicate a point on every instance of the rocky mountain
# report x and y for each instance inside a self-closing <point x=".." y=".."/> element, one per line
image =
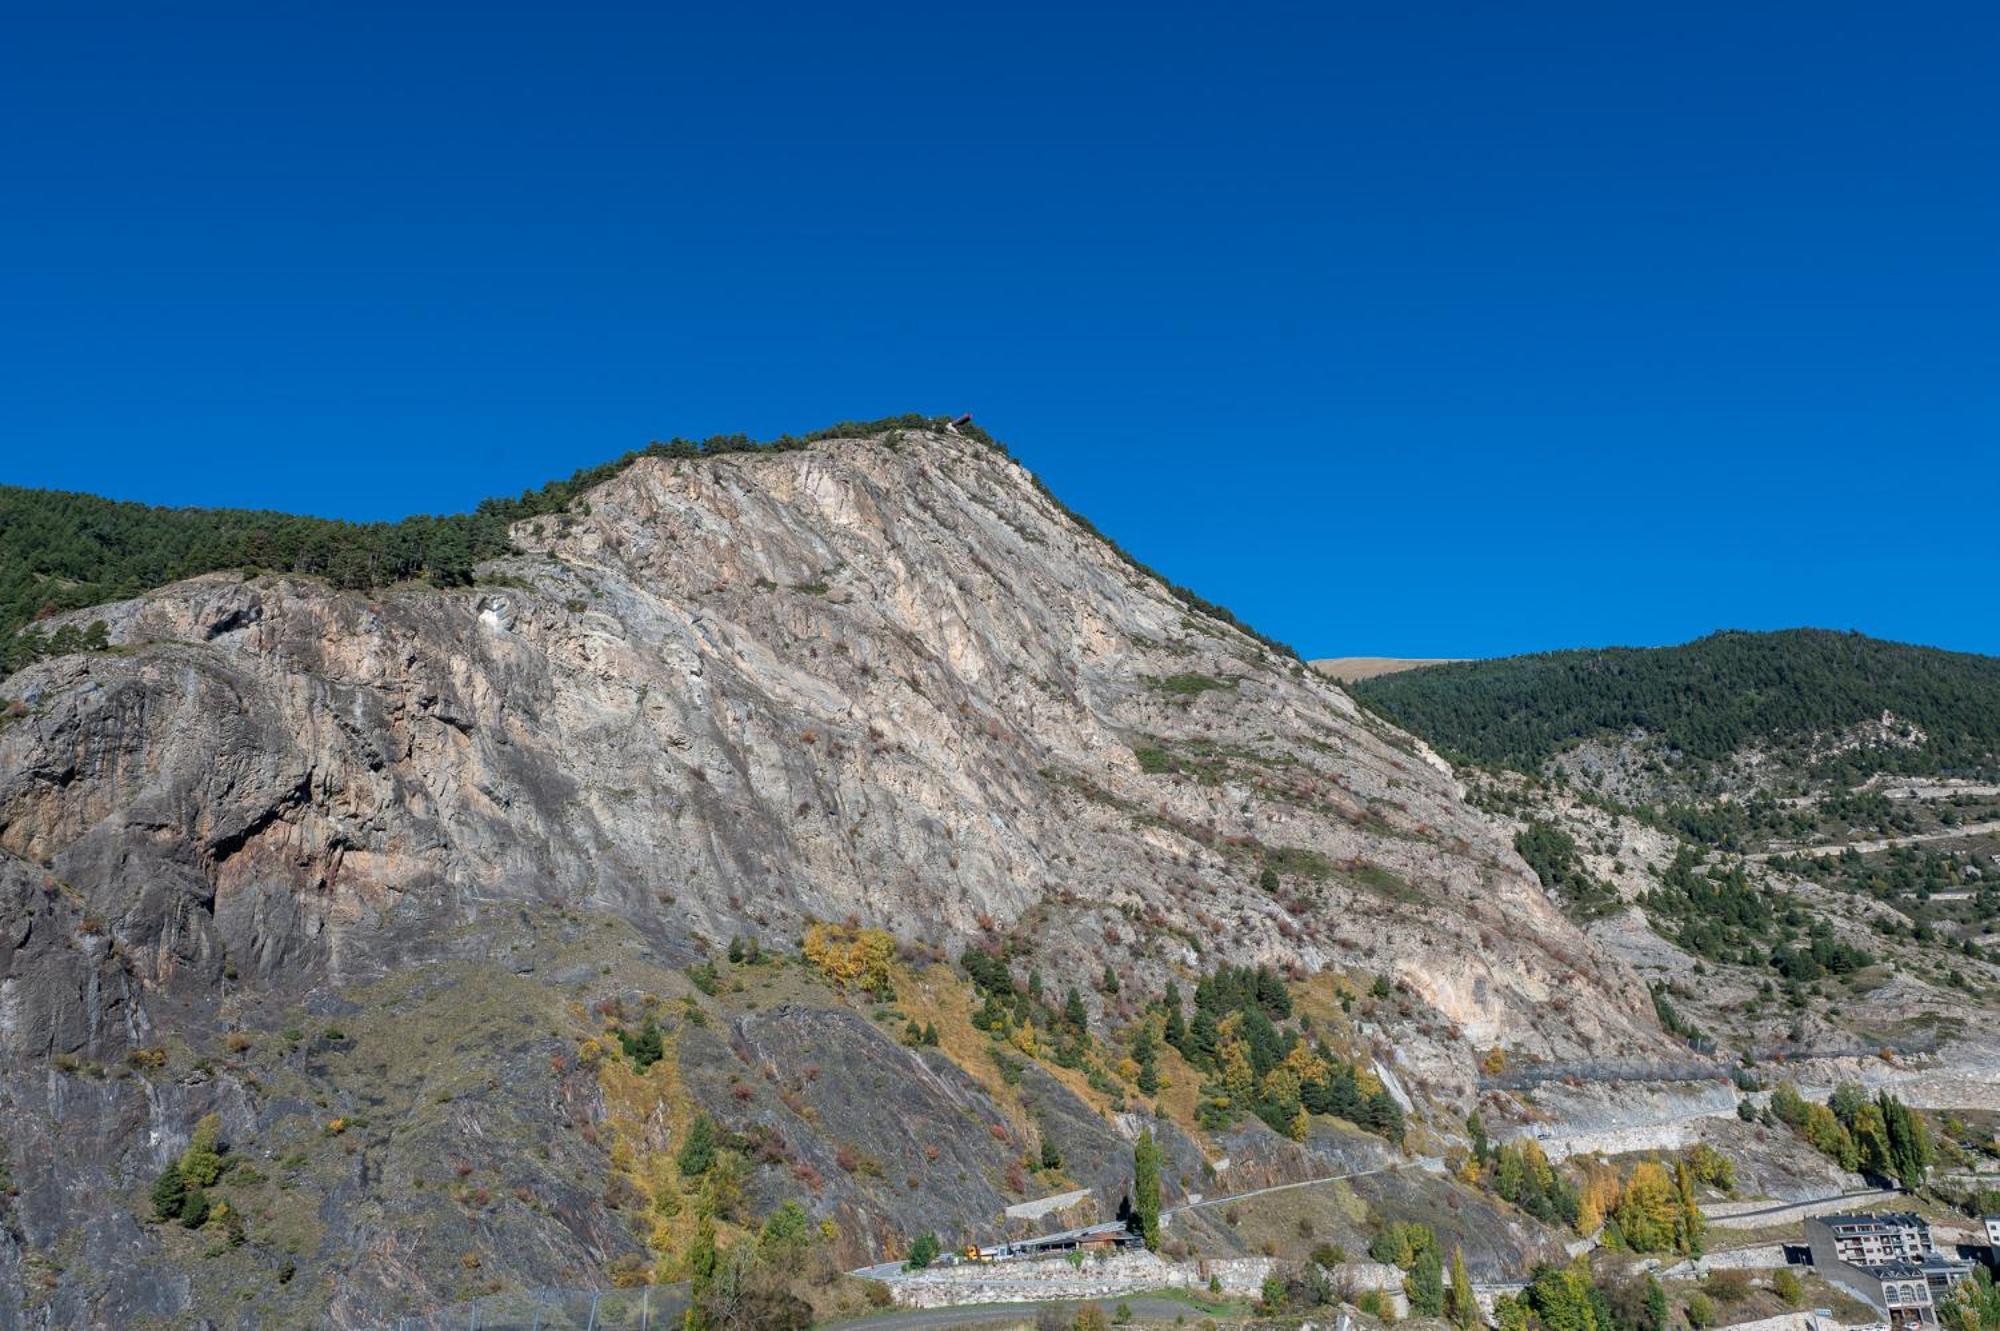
<point x="365" y="873"/>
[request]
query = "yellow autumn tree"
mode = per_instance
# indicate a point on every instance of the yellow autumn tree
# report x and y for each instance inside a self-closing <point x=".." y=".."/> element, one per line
<point x="1239" y="1078"/>
<point x="849" y="955"/>
<point x="1649" y="1208"/>
<point x="1597" y="1198"/>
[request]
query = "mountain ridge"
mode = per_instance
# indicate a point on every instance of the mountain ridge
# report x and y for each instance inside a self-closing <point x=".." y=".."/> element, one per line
<point x="1704" y="698"/>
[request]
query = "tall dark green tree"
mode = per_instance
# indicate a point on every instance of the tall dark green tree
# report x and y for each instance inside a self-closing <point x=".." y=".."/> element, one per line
<point x="1425" y="1286"/>
<point x="1146" y="1188"/>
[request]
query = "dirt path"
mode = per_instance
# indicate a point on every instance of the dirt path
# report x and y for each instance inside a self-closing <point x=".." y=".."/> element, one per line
<point x="1429" y="1163"/>
<point x="1883" y="843"/>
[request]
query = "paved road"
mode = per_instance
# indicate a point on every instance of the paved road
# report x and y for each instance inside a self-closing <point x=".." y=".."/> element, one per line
<point x="1877" y="1194"/>
<point x="1005" y="1314"/>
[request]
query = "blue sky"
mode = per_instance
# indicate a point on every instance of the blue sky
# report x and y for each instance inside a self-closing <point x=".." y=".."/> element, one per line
<point x="1429" y="329"/>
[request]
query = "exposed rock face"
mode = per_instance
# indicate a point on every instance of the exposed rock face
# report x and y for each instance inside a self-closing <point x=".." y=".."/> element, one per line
<point x="887" y="679"/>
<point x="883" y="679"/>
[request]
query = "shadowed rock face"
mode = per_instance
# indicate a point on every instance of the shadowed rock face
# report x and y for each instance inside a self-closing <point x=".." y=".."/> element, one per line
<point x="886" y="679"/>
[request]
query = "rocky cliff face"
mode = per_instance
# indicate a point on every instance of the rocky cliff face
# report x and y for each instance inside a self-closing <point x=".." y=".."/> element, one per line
<point x="883" y="679"/>
<point x="887" y="679"/>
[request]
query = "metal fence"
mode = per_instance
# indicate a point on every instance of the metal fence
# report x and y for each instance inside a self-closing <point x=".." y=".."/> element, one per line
<point x="1529" y="1075"/>
<point x="648" y="1308"/>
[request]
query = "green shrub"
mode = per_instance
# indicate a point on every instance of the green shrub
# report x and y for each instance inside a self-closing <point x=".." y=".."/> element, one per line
<point x="697" y="1153"/>
<point x="923" y="1251"/>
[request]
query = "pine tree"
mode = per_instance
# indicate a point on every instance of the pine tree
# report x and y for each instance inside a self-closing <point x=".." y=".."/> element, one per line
<point x="1202" y="1040"/>
<point x="1109" y="984"/>
<point x="169" y="1193"/>
<point x="1073" y="1013"/>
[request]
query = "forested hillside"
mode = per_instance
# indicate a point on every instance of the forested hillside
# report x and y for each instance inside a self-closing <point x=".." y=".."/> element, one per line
<point x="1707" y="699"/>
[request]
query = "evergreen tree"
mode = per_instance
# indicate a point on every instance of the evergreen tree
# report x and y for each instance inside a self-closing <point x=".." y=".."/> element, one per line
<point x="1463" y="1306"/>
<point x="1146" y="1188"/>
<point x="169" y="1193"/>
<point x="1425" y="1286"/>
<point x="1202" y="1040"/>
<point x="1176" y="1028"/>
<point x="194" y="1208"/>
<point x="1910" y="1150"/>
<point x="702" y="1261"/>
<point x="1074" y="1015"/>
<point x="697" y="1153"/>
<point x="1656" y="1305"/>
<point x="1109" y="984"/>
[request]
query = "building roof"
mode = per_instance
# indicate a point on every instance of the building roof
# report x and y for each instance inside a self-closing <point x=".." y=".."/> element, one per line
<point x="1887" y="1220"/>
<point x="1895" y="1271"/>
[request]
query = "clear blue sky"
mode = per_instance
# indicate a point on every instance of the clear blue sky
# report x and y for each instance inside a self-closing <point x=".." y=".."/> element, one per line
<point x="1433" y="329"/>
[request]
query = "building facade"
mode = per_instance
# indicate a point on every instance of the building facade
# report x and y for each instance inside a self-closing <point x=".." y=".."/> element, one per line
<point x="1887" y="1261"/>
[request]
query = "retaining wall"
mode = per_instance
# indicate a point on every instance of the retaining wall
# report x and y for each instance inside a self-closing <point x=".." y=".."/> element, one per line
<point x="1111" y="1276"/>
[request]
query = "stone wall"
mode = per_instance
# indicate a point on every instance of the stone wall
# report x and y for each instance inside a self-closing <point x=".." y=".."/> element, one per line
<point x="1111" y="1276"/>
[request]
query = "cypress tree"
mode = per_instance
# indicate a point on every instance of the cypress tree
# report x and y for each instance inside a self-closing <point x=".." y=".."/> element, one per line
<point x="1146" y="1188"/>
<point x="1464" y="1305"/>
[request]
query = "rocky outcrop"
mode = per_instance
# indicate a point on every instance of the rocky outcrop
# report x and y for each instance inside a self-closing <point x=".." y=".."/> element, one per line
<point x="885" y="679"/>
